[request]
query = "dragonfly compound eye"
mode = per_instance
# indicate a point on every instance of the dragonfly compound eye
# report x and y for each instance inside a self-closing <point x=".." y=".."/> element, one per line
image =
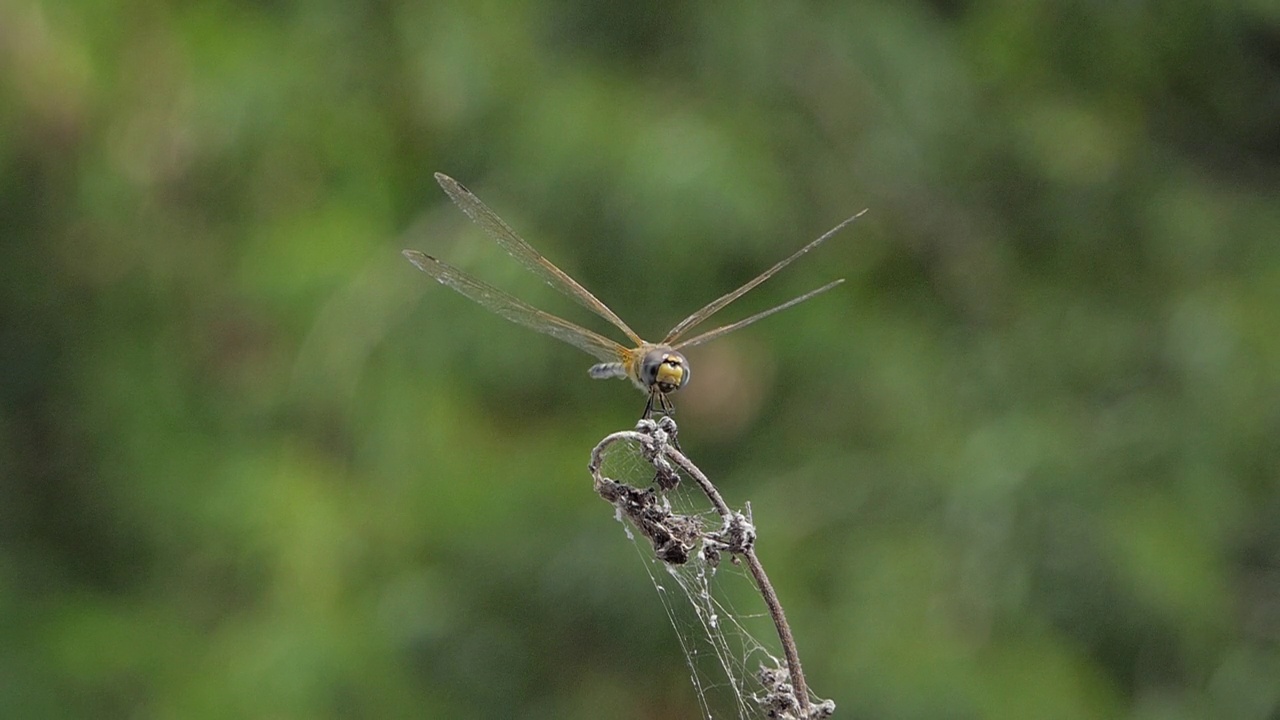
<point x="656" y="368"/>
<point x="664" y="369"/>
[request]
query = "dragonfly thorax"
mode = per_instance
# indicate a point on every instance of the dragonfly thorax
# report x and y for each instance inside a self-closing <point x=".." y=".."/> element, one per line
<point x="657" y="369"/>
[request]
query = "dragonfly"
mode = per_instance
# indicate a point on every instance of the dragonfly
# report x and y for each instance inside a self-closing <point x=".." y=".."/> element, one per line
<point x="657" y="369"/>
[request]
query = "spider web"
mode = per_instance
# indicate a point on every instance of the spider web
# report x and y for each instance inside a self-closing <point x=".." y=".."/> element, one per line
<point x="710" y="600"/>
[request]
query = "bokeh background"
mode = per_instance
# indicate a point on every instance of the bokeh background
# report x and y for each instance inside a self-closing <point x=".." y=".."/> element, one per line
<point x="1025" y="463"/>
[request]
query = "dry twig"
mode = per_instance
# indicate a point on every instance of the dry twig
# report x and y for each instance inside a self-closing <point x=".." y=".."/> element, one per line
<point x="675" y="539"/>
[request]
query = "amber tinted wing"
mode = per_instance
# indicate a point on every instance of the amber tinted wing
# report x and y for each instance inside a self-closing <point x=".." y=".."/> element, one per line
<point x="717" y="305"/>
<point x="481" y="215"/>
<point x="518" y="311"/>
<point x="713" y="334"/>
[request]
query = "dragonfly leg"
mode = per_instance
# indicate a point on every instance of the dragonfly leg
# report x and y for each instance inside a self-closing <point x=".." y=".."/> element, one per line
<point x="658" y="403"/>
<point x="668" y="407"/>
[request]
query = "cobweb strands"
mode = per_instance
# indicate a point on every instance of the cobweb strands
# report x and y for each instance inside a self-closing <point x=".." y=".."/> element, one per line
<point x="694" y="541"/>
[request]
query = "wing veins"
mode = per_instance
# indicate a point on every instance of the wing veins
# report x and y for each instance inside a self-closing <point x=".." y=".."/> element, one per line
<point x="526" y="255"/>
<point x="516" y="310"/>
<point x="726" y="329"/>
<point x="719" y="304"/>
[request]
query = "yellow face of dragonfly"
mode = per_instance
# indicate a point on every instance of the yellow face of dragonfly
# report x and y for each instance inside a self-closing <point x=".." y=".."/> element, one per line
<point x="662" y="368"/>
<point x="658" y="369"/>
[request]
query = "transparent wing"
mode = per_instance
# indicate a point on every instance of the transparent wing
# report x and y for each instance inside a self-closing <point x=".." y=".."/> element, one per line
<point x="717" y="305"/>
<point x="481" y="215"/>
<point x="518" y="311"/>
<point x="713" y="334"/>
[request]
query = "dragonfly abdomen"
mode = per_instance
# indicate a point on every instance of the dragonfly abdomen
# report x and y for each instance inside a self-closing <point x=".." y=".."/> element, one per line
<point x="606" y="371"/>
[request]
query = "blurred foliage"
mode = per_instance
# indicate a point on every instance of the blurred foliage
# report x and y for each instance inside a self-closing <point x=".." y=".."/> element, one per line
<point x="1025" y="463"/>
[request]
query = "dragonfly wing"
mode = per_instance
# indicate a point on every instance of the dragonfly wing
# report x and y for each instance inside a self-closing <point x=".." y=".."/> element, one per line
<point x="717" y="305"/>
<point x="518" y="311"/>
<point x="481" y="215"/>
<point x="713" y="334"/>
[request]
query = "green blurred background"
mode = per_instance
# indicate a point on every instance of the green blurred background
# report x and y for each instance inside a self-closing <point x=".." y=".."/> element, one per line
<point x="1024" y="464"/>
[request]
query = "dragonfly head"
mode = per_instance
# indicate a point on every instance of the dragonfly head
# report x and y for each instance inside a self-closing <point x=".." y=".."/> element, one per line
<point x="663" y="369"/>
